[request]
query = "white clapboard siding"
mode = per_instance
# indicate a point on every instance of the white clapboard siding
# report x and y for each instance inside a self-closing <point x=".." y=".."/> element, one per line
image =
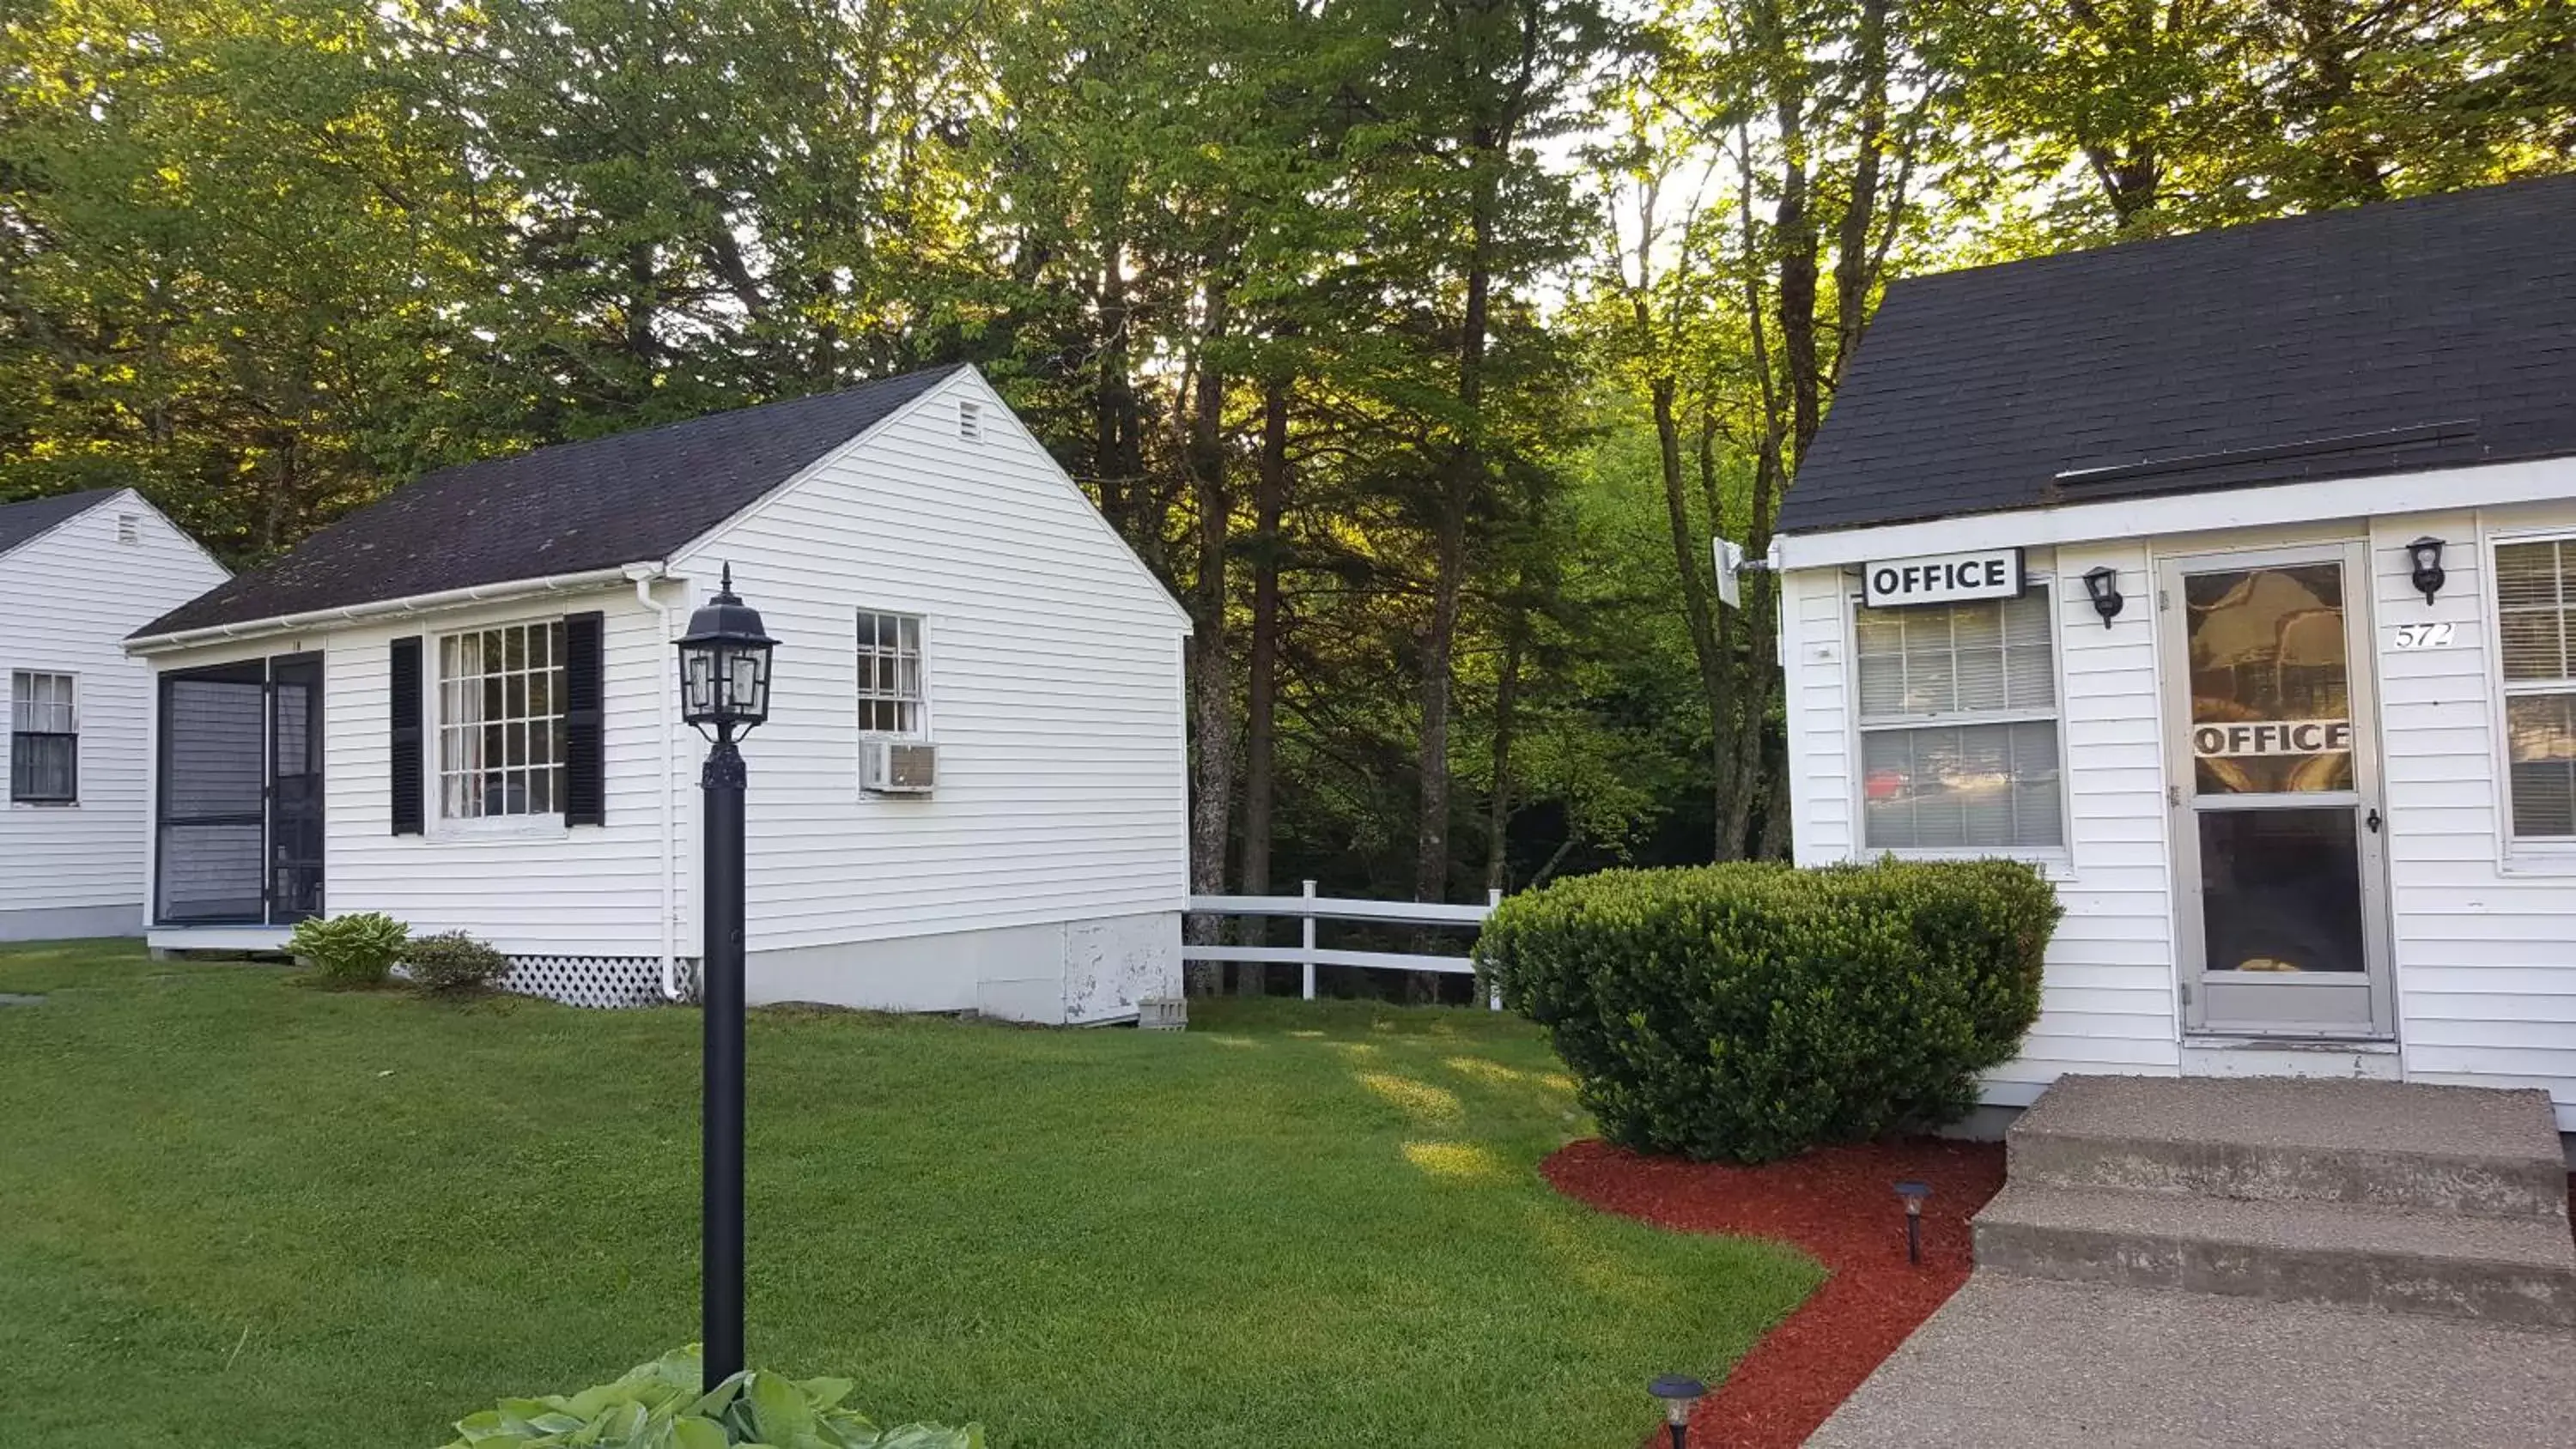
<point x="1054" y="687"/>
<point x="542" y="889"/>
<point x="2485" y="955"/>
<point x="68" y="598"/>
<point x="545" y="890"/>
<point x="2108" y="1002"/>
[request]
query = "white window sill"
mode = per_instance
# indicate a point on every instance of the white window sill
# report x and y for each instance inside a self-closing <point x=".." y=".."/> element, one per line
<point x="2540" y="860"/>
<point x="503" y="827"/>
<point x="44" y="804"/>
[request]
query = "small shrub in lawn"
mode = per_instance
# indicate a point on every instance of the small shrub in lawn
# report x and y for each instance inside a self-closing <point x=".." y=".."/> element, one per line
<point x="1751" y="1011"/>
<point x="659" y="1406"/>
<point x="352" y="950"/>
<point x="453" y="961"/>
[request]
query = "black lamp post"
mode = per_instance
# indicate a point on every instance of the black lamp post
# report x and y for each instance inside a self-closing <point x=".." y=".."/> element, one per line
<point x="724" y="685"/>
<point x="1680" y="1394"/>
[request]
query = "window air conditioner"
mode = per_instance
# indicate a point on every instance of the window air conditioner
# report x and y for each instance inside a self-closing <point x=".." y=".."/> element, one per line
<point x="897" y="767"/>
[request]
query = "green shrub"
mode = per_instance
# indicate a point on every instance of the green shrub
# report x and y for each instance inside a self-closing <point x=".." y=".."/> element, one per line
<point x="453" y="961"/>
<point x="658" y="1406"/>
<point x="1751" y="1011"/>
<point x="354" y="950"/>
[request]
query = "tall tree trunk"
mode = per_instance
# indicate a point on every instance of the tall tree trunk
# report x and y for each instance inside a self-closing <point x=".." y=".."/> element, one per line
<point x="1699" y="611"/>
<point x="1793" y="228"/>
<point x="1113" y="446"/>
<point x="1211" y="674"/>
<point x="1750" y="698"/>
<point x="1466" y="467"/>
<point x="1854" y="257"/>
<point x="1439" y="647"/>
<point x="1498" y="805"/>
<point x="1261" y="665"/>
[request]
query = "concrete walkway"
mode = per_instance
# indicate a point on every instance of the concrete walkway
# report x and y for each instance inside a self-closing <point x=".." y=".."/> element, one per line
<point x="2024" y="1363"/>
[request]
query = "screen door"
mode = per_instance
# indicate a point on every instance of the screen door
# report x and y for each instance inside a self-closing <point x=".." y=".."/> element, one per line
<point x="2277" y="829"/>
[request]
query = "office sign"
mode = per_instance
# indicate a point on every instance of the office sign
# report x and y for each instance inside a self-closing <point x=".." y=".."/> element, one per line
<point x="2272" y="737"/>
<point x="1942" y="578"/>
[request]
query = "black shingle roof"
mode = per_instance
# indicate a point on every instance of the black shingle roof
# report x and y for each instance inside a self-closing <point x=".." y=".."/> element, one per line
<point x="20" y="522"/>
<point x="628" y="498"/>
<point x="2417" y="333"/>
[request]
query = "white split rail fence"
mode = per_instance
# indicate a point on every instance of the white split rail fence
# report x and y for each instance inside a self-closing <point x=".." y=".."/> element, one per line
<point x="1309" y="908"/>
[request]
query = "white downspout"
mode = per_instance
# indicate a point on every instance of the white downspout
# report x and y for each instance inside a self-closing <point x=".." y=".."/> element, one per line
<point x="670" y="802"/>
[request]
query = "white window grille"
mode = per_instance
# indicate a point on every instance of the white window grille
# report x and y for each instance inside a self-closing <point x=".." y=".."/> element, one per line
<point x="500" y="721"/>
<point x="970" y="421"/>
<point x="892" y="700"/>
<point x="1958" y="726"/>
<point x="44" y="738"/>
<point x="2536" y="625"/>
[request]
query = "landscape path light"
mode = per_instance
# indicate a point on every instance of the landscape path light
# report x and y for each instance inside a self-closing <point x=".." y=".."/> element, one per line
<point x="1914" y="1193"/>
<point x="1680" y="1394"/>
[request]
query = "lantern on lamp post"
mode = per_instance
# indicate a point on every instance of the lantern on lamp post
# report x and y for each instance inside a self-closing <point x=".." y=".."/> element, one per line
<point x="724" y="693"/>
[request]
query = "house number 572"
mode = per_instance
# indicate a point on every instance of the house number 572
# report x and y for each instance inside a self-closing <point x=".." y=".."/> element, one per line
<point x="2423" y="636"/>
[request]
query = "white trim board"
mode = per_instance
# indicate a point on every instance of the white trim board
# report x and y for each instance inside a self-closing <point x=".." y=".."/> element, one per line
<point x="2268" y="505"/>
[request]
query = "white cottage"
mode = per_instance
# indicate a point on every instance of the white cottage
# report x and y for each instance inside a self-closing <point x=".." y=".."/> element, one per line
<point x="2232" y="579"/>
<point x="459" y="707"/>
<point x="77" y="572"/>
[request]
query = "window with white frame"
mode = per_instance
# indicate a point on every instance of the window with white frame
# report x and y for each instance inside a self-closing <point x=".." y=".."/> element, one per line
<point x="500" y="721"/>
<point x="2536" y="626"/>
<point x="44" y="738"/>
<point x="891" y="701"/>
<point x="1958" y="726"/>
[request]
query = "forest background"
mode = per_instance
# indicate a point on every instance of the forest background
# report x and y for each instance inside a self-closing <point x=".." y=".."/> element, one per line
<point x="1421" y="346"/>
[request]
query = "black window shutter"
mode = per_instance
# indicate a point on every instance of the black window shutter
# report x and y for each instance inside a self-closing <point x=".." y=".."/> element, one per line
<point x="404" y="781"/>
<point x="585" y="772"/>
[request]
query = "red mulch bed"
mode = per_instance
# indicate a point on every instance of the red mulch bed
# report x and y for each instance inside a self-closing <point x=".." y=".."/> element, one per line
<point x="1840" y="1205"/>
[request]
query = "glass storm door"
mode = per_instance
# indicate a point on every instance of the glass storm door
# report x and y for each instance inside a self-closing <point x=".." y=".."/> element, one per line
<point x="214" y="795"/>
<point x="240" y="793"/>
<point x="2278" y="840"/>
<point x="294" y="788"/>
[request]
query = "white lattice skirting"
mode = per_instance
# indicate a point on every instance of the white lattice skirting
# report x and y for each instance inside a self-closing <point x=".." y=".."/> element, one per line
<point x="602" y="981"/>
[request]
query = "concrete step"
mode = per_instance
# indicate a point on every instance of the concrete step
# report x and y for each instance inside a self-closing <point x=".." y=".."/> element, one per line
<point x="2512" y="1270"/>
<point x="2282" y="1139"/>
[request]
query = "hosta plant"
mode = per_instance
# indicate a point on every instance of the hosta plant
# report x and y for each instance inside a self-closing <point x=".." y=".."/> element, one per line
<point x="351" y="950"/>
<point x="658" y="1405"/>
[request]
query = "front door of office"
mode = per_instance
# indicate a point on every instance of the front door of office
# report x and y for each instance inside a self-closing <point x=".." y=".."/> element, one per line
<point x="2279" y="842"/>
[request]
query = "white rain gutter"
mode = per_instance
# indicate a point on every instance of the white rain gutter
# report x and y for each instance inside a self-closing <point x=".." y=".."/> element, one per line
<point x="391" y="608"/>
<point x="644" y="575"/>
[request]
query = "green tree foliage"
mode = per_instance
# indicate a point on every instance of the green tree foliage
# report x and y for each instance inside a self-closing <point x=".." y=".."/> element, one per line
<point x="1421" y="348"/>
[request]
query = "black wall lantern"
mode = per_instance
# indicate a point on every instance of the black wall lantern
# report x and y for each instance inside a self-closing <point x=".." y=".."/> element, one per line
<point x="2104" y="585"/>
<point x="724" y="686"/>
<point x="2429" y="577"/>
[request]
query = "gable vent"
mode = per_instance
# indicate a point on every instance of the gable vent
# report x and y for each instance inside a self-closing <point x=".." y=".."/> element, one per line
<point x="970" y="421"/>
<point x="129" y="528"/>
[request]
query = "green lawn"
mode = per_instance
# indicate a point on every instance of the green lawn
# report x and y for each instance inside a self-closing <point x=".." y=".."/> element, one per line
<point x="235" y="1211"/>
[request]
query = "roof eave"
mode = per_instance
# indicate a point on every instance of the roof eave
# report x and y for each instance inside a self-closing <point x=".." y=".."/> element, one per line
<point x="380" y="609"/>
